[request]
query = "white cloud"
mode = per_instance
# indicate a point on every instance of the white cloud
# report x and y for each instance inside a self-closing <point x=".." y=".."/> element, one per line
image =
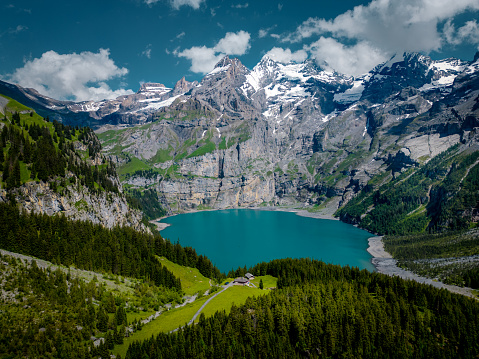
<point x="14" y="31"/>
<point x="234" y="43"/>
<point x="195" y="4"/>
<point x="203" y="59"/>
<point x="71" y="76"/>
<point x="407" y="25"/>
<point x="467" y="33"/>
<point x="386" y="27"/>
<point x="285" y="55"/>
<point x="18" y="29"/>
<point x="264" y="32"/>
<point x="350" y="60"/>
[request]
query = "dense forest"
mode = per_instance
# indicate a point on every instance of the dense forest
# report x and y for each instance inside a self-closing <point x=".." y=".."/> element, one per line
<point x="120" y="250"/>
<point x="436" y="197"/>
<point x="32" y="148"/>
<point x="325" y="311"/>
<point x="449" y="256"/>
<point x="53" y="313"/>
<point x="146" y="201"/>
<point x="426" y="213"/>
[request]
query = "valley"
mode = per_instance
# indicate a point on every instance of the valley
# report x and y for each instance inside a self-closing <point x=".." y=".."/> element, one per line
<point x="394" y="152"/>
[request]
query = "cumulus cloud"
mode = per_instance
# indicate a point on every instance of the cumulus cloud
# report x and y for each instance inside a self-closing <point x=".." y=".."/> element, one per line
<point x="203" y="59"/>
<point x="350" y="60"/>
<point x="234" y="43"/>
<point x="71" y="76"/>
<point x="389" y="26"/>
<point x="286" y="55"/>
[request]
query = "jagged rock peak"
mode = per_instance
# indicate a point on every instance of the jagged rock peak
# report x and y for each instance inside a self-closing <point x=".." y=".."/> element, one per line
<point x="267" y="61"/>
<point x="225" y="61"/>
<point x="230" y="67"/>
<point x="183" y="86"/>
<point x="266" y="66"/>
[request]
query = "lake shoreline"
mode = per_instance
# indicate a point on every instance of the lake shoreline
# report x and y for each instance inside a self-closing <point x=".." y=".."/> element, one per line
<point x="324" y="213"/>
<point x="386" y="264"/>
<point x="284" y="227"/>
<point x="382" y="261"/>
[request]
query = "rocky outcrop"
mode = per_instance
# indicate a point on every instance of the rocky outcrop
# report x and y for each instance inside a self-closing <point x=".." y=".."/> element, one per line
<point x="77" y="203"/>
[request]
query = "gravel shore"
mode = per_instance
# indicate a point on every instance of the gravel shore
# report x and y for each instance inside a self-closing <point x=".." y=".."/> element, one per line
<point x="386" y="264"/>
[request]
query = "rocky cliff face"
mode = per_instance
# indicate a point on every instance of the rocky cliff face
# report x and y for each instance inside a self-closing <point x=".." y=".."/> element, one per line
<point x="77" y="203"/>
<point x="284" y="134"/>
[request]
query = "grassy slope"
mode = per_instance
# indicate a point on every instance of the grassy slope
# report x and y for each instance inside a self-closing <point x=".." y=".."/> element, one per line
<point x="178" y="317"/>
<point x="236" y="295"/>
<point x="192" y="281"/>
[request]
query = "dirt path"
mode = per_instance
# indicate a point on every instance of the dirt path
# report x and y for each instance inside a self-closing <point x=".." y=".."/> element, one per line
<point x="204" y="305"/>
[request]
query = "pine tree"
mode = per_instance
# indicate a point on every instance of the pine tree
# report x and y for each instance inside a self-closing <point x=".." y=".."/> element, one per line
<point x="102" y="320"/>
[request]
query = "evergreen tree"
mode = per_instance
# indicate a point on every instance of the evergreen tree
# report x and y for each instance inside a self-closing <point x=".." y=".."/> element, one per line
<point x="102" y="320"/>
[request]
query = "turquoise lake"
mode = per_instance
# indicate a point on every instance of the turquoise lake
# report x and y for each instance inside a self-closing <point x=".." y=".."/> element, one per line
<point x="238" y="237"/>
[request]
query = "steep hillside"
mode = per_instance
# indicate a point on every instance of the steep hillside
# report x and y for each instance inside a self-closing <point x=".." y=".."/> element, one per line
<point x="47" y="167"/>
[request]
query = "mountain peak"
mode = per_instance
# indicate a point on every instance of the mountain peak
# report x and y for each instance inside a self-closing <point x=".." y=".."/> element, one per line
<point x="266" y="60"/>
<point x="183" y="86"/>
<point x="225" y="61"/>
<point x="231" y="68"/>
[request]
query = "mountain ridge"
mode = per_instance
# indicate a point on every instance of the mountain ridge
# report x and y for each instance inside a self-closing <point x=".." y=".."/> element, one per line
<point x="289" y="133"/>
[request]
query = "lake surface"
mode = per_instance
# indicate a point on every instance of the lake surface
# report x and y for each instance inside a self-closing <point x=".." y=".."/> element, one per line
<point x="238" y="237"/>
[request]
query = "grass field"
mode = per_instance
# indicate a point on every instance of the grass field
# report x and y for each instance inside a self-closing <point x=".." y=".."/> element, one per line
<point x="236" y="295"/>
<point x="192" y="281"/>
<point x="166" y="322"/>
<point x="134" y="165"/>
<point x="174" y="318"/>
<point x="268" y="281"/>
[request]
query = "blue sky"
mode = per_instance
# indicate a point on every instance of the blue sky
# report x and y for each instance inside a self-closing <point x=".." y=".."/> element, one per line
<point x="82" y="50"/>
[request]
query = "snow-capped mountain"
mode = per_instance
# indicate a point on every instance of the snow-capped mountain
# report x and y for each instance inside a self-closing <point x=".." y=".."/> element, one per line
<point x="271" y="89"/>
<point x="282" y="133"/>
